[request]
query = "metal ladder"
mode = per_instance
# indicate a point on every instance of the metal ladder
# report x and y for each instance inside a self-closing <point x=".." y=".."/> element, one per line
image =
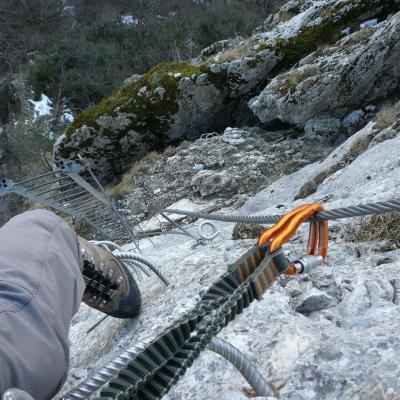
<point x="73" y="190"/>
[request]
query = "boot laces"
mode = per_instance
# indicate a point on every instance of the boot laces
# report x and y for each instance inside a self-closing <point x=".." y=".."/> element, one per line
<point x="99" y="284"/>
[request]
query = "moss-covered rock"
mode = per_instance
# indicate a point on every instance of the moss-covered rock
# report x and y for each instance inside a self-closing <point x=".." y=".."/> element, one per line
<point x="140" y="116"/>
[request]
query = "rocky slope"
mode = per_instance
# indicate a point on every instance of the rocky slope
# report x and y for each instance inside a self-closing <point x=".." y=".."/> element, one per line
<point x="224" y="169"/>
<point x="331" y="334"/>
<point x="178" y="100"/>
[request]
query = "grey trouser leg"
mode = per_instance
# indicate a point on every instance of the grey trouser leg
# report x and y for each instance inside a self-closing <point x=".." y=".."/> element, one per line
<point x="41" y="287"/>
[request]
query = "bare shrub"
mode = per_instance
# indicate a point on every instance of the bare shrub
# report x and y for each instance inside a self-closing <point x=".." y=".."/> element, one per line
<point x="125" y="186"/>
<point x="234" y="53"/>
<point x="387" y="116"/>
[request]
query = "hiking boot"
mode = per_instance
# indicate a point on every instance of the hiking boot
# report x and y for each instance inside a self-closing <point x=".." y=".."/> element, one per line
<point x="16" y="394"/>
<point x="110" y="286"/>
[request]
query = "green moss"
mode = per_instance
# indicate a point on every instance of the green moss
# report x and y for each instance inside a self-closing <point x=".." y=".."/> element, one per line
<point x="307" y="41"/>
<point x="253" y="62"/>
<point x="153" y="112"/>
<point x="264" y="46"/>
<point x="310" y="38"/>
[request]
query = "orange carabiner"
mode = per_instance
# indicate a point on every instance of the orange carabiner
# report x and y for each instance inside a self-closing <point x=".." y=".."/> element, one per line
<point x="287" y="226"/>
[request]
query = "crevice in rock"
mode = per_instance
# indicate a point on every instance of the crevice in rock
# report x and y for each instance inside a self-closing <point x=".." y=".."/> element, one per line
<point x="396" y="290"/>
<point x="275" y="125"/>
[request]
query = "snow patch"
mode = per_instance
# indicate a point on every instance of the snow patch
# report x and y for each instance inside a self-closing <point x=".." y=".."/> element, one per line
<point x="346" y="31"/>
<point x="370" y="108"/>
<point x="129" y="20"/>
<point x="59" y="140"/>
<point x="369" y="23"/>
<point x="42" y="107"/>
<point x="69" y="10"/>
<point x="142" y="91"/>
<point x="67" y="117"/>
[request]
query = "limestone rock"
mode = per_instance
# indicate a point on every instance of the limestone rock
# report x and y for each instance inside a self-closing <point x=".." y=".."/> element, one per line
<point x="217" y="47"/>
<point x="315" y="300"/>
<point x="343" y="345"/>
<point x="251" y="157"/>
<point x="211" y="182"/>
<point x="325" y="126"/>
<point x="359" y="68"/>
<point x="79" y="373"/>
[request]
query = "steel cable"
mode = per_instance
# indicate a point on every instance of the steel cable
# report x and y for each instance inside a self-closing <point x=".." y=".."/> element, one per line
<point x="133" y="256"/>
<point x="138" y="265"/>
<point x="138" y="271"/>
<point x="243" y="365"/>
<point x="339" y="213"/>
<point x="254" y="378"/>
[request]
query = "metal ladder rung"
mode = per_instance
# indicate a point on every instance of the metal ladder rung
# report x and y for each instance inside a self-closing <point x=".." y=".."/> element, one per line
<point x="46" y="183"/>
<point x="38" y="177"/>
<point x="77" y="193"/>
<point x="63" y="194"/>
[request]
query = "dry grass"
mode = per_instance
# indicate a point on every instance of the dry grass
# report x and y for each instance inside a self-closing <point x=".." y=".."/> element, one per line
<point x="125" y="186"/>
<point x="293" y="78"/>
<point x="385" y="227"/>
<point x="234" y="53"/>
<point x="84" y="230"/>
<point x="363" y="34"/>
<point x="285" y="16"/>
<point x="387" y="116"/>
<point x="321" y="50"/>
<point x="245" y="231"/>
